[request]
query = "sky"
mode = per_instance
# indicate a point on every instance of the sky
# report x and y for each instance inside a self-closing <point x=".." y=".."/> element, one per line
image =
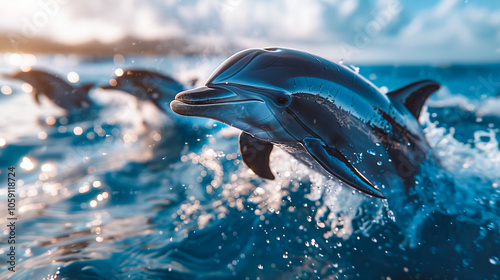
<point x="425" y="31"/>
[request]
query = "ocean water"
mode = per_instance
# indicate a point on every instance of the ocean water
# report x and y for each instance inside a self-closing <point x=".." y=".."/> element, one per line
<point x="126" y="192"/>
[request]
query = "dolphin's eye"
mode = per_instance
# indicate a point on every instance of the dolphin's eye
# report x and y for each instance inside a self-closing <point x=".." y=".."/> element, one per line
<point x="282" y="100"/>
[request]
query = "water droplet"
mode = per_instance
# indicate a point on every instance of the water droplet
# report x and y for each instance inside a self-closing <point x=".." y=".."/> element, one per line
<point x="374" y="239"/>
<point x="494" y="260"/>
<point x="309" y="219"/>
<point x="260" y="266"/>
<point x="379" y="163"/>
<point x="371" y="152"/>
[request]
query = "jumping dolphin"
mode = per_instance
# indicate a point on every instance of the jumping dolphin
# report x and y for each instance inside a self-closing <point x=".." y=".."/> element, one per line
<point x="68" y="97"/>
<point x="322" y="113"/>
<point x="147" y="85"/>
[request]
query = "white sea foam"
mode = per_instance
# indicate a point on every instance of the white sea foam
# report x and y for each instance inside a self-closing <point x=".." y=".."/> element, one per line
<point x="466" y="186"/>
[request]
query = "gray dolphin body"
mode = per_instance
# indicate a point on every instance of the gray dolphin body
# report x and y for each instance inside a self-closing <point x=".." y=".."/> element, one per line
<point x="324" y="114"/>
<point x="147" y="85"/>
<point x="68" y="97"/>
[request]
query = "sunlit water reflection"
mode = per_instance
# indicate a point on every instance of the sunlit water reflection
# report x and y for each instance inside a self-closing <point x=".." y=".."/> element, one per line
<point x="128" y="193"/>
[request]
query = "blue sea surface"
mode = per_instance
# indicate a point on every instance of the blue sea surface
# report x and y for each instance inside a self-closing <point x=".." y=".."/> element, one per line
<point x="126" y="192"/>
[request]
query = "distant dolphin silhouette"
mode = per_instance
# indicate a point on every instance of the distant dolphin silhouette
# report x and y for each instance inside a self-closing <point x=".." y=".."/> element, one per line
<point x="147" y="85"/>
<point x="69" y="97"/>
<point x="324" y="114"/>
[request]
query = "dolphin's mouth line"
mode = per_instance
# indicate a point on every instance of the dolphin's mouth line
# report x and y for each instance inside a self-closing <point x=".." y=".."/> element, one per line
<point x="214" y="102"/>
<point x="214" y="95"/>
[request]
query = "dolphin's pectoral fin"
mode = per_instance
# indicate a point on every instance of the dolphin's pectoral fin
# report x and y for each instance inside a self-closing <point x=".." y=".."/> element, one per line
<point x="335" y="163"/>
<point x="255" y="154"/>
<point x="414" y="95"/>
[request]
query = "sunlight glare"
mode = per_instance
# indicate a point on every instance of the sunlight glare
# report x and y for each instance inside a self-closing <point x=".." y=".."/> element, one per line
<point x="6" y="90"/>
<point x="73" y="77"/>
<point x="27" y="164"/>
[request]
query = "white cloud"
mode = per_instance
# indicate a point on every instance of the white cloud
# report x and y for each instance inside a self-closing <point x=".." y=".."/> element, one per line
<point x="444" y="7"/>
<point x="290" y="20"/>
<point x="448" y="30"/>
<point x="346" y="8"/>
<point x="464" y="34"/>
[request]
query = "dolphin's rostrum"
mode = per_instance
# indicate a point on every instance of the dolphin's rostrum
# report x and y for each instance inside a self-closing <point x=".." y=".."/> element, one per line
<point x="324" y="114"/>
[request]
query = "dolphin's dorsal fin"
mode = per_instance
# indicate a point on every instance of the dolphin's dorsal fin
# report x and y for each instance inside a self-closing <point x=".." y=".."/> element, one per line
<point x="333" y="161"/>
<point x="414" y="95"/>
<point x="86" y="87"/>
<point x="255" y="154"/>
